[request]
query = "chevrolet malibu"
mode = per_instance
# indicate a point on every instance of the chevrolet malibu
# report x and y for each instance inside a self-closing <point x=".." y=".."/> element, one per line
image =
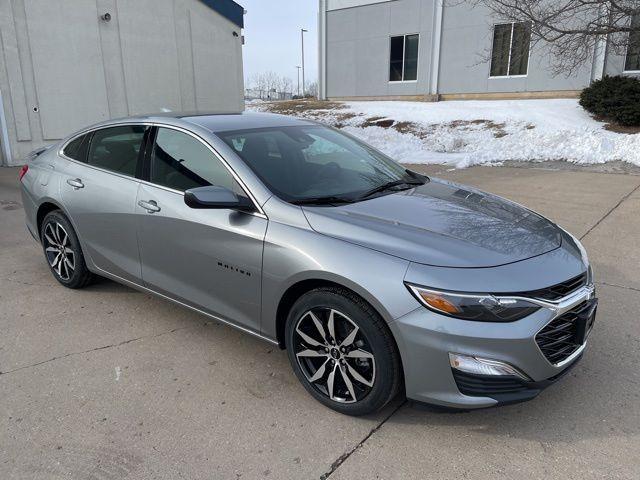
<point x="377" y="280"/>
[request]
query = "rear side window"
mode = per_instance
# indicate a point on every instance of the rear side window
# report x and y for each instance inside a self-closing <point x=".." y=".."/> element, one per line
<point x="76" y="149"/>
<point x="117" y="149"/>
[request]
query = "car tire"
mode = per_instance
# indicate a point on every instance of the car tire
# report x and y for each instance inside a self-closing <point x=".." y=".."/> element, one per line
<point x="352" y="373"/>
<point x="63" y="252"/>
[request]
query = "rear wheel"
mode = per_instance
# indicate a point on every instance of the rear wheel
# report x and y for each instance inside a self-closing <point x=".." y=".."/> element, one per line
<point x="62" y="251"/>
<point x="342" y="351"/>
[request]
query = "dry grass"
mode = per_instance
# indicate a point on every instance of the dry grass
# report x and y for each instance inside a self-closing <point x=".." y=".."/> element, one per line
<point x="296" y="107"/>
<point x="614" y="127"/>
<point x="317" y="109"/>
<point x="378" y="122"/>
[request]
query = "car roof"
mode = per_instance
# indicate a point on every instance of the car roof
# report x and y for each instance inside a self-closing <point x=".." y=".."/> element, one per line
<point x="218" y="122"/>
<point x="213" y="122"/>
<point x="243" y="121"/>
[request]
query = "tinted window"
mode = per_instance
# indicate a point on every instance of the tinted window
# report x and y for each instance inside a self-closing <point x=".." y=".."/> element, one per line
<point x="520" y="48"/>
<point x="632" y="63"/>
<point x="181" y="162"/>
<point x="77" y="148"/>
<point x="117" y="148"/>
<point x="298" y="163"/>
<point x="500" y="50"/>
<point x="397" y="58"/>
<point x="403" y="61"/>
<point x="510" y="49"/>
<point x="411" y="57"/>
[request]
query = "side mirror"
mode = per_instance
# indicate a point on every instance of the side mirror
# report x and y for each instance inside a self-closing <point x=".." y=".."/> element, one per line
<point x="216" y="197"/>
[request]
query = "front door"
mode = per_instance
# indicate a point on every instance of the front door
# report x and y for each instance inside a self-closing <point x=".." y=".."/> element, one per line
<point x="99" y="190"/>
<point x="207" y="258"/>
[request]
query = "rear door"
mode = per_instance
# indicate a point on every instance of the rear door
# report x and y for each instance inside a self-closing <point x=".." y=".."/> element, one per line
<point x="99" y="190"/>
<point x="207" y="258"/>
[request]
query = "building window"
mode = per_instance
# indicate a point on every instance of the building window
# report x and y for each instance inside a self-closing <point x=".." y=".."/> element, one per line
<point x="403" y="64"/>
<point x="632" y="63"/>
<point x="510" y="52"/>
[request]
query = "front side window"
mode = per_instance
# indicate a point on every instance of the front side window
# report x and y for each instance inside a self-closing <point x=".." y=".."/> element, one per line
<point x="301" y="163"/>
<point x="76" y="149"/>
<point x="632" y="63"/>
<point x="180" y="161"/>
<point x="117" y="149"/>
<point x="510" y="50"/>
<point x="403" y="62"/>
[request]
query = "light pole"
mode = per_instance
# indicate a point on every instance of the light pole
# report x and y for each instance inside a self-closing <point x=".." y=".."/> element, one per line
<point x="298" y="67"/>
<point x="302" y="31"/>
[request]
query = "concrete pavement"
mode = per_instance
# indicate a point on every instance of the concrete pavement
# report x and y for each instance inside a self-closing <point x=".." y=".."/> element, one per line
<point x="109" y="383"/>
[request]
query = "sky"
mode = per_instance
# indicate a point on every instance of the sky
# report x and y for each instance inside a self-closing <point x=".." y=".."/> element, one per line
<point x="272" y="38"/>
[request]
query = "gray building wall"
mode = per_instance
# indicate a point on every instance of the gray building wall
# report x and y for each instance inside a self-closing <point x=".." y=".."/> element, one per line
<point x="615" y="63"/>
<point x="358" y="42"/>
<point x="62" y="67"/>
<point x="467" y="35"/>
<point x="355" y="60"/>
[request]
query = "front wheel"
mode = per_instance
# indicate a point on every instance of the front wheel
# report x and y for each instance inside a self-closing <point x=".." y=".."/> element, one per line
<point x="342" y="351"/>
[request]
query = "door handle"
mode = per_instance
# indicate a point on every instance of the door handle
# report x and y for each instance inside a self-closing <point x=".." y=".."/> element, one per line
<point x="151" y="206"/>
<point x="76" y="183"/>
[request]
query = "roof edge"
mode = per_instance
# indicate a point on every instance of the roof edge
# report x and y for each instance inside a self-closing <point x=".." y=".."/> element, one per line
<point x="228" y="9"/>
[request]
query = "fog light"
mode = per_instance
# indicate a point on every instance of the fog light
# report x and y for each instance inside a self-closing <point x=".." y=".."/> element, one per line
<point x="484" y="366"/>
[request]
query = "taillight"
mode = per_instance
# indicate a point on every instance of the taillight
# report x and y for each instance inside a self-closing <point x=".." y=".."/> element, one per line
<point x="23" y="172"/>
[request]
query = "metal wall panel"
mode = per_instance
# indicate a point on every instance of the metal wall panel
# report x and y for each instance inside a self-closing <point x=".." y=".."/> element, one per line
<point x="15" y="99"/>
<point x="338" y="4"/>
<point x="112" y="59"/>
<point x="149" y="55"/>
<point x="67" y="65"/>
<point x="217" y="61"/>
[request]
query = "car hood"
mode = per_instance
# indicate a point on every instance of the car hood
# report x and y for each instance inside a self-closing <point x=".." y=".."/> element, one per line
<point x="442" y="224"/>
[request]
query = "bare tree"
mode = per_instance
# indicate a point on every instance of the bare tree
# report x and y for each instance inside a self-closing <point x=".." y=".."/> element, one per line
<point x="312" y="89"/>
<point x="270" y="86"/>
<point x="271" y="81"/>
<point x="571" y="29"/>
<point x="285" y="85"/>
<point x="258" y="84"/>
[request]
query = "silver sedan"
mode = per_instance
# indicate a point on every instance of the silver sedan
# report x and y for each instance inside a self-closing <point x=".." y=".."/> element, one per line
<point x="377" y="280"/>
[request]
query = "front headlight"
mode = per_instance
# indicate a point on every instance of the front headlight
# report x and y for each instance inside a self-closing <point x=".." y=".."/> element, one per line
<point x="471" y="306"/>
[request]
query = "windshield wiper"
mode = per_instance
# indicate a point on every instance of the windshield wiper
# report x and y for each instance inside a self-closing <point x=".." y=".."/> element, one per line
<point x="389" y="186"/>
<point x="330" y="200"/>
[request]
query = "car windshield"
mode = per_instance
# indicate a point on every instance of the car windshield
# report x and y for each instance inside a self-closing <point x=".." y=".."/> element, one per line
<point x="316" y="164"/>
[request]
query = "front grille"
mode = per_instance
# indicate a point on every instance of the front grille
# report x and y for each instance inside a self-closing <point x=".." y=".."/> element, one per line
<point x="487" y="385"/>
<point x="558" y="340"/>
<point x="561" y="290"/>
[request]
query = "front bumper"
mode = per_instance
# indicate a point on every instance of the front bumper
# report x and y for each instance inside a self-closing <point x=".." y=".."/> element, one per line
<point x="505" y="390"/>
<point x="425" y="340"/>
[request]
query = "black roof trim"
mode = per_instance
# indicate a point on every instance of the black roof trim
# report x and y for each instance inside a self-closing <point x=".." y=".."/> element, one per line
<point x="228" y="9"/>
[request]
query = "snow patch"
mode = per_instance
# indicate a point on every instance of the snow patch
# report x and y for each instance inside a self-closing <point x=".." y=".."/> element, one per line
<point x="466" y="133"/>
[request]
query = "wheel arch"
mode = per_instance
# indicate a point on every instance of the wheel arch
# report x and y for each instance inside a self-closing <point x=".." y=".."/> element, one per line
<point x="46" y="206"/>
<point x="302" y="286"/>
